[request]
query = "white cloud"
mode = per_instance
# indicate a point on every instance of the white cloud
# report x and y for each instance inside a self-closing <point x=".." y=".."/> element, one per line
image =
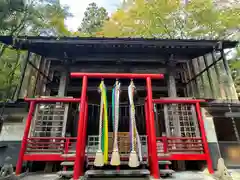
<point x="78" y="7"/>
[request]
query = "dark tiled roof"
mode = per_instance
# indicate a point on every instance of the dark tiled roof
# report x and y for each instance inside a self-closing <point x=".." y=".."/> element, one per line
<point x="73" y="47"/>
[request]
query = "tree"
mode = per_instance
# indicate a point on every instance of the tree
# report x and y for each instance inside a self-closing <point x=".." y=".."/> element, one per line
<point x="37" y="17"/>
<point x="94" y="18"/>
<point x="235" y="69"/>
<point x="171" y="19"/>
<point x="10" y="15"/>
<point x="50" y="19"/>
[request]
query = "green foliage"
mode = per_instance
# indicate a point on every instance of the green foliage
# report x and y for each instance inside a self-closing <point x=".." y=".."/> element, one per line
<point x="234" y="63"/>
<point x="94" y="18"/>
<point x="199" y="19"/>
<point x="11" y="13"/>
<point x="51" y="18"/>
<point x="37" y="17"/>
<point x="153" y="18"/>
<point x="171" y="19"/>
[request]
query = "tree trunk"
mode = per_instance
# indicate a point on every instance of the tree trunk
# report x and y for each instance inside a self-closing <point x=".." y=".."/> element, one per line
<point x="2" y="49"/>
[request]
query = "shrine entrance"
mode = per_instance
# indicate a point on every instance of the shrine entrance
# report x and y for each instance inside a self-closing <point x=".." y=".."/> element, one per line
<point x="180" y="140"/>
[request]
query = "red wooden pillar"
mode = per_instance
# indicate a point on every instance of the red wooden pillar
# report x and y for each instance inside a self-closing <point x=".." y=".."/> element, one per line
<point x="152" y="132"/>
<point x="84" y="138"/>
<point x="78" y="171"/>
<point x="25" y="137"/>
<point x="147" y="131"/>
<point x="204" y="138"/>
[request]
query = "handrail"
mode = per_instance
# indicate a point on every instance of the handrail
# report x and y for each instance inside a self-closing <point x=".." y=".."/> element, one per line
<point x="177" y="101"/>
<point x="62" y="145"/>
<point x="180" y="144"/>
<point x="53" y="99"/>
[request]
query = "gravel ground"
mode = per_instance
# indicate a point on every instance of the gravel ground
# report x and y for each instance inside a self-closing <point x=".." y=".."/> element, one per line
<point x="186" y="175"/>
<point x="197" y="175"/>
<point x="41" y="176"/>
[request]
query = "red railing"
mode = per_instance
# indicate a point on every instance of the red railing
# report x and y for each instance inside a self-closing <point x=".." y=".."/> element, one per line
<point x="185" y="148"/>
<point x="179" y="145"/>
<point x="30" y="144"/>
<point x="50" y="144"/>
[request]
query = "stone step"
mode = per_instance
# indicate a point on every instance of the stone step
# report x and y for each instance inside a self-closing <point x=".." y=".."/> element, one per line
<point x="67" y="174"/>
<point x="68" y="155"/>
<point x="164" y="154"/>
<point x="166" y="172"/>
<point x="130" y="173"/>
<point x="67" y="163"/>
<point x="122" y="162"/>
<point x="72" y="151"/>
<point x="164" y="162"/>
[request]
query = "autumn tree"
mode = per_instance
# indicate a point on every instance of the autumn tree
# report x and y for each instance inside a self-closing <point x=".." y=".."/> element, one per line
<point x="94" y="18"/>
<point x="199" y="19"/>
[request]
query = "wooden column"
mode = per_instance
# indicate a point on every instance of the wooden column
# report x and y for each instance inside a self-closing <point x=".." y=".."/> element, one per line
<point x="172" y="92"/>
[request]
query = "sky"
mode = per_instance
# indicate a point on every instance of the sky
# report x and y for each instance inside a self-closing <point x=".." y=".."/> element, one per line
<point x="78" y="7"/>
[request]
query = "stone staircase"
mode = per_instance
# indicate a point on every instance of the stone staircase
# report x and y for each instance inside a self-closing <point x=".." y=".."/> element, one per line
<point x="164" y="168"/>
<point x="67" y="171"/>
<point x="67" y="165"/>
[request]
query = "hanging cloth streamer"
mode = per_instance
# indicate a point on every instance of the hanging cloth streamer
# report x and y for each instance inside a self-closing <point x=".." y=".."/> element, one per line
<point x="137" y="135"/>
<point x="136" y="132"/>
<point x="99" y="158"/>
<point x="113" y="106"/>
<point x="105" y="124"/>
<point x="133" y="158"/>
<point x="115" y="159"/>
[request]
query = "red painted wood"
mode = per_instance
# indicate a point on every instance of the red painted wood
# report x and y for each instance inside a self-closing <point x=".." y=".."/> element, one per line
<point x="116" y="75"/>
<point x="78" y="171"/>
<point x="152" y="132"/>
<point x="53" y="99"/>
<point x="25" y="138"/>
<point x="177" y="101"/>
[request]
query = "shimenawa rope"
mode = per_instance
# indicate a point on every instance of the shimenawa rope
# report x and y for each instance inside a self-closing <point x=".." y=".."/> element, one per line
<point x="99" y="158"/>
<point x="115" y="160"/>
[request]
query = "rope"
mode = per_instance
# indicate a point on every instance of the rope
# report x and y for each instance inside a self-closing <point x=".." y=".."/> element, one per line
<point x="99" y="158"/>
<point x="113" y="106"/>
<point x="100" y="118"/>
<point x="132" y="118"/>
<point x="133" y="157"/>
<point x="105" y="124"/>
<point x="139" y="145"/>
<point x="115" y="159"/>
<point x="135" y="138"/>
<point x="133" y="123"/>
<point x="130" y="125"/>
<point x="116" y="114"/>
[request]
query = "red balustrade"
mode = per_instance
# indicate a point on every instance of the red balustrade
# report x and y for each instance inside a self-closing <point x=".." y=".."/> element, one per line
<point x="50" y="144"/>
<point x="32" y="147"/>
<point x="185" y="148"/>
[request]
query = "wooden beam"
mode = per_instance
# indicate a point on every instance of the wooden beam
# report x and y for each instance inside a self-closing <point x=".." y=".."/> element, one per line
<point x="124" y="88"/>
